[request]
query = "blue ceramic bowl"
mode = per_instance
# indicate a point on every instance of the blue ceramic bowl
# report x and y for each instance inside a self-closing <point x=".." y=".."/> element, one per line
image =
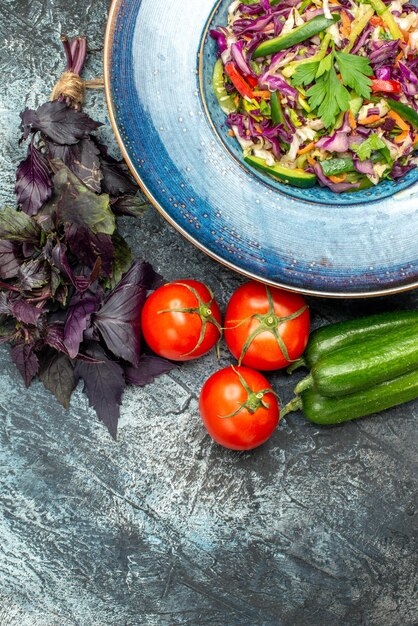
<point x="158" y="69"/>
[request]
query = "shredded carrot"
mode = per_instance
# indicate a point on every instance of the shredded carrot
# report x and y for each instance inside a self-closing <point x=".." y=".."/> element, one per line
<point x="346" y="25"/>
<point x="265" y="95"/>
<point x="399" y="121"/>
<point x="405" y="35"/>
<point x="231" y="133"/>
<point x="401" y="138"/>
<point x="377" y="21"/>
<point x="338" y="179"/>
<point x="307" y="148"/>
<point x="370" y="120"/>
<point x="236" y="100"/>
<point x="399" y="57"/>
<point x="415" y="139"/>
<point x="352" y="120"/>
<point x="311" y="161"/>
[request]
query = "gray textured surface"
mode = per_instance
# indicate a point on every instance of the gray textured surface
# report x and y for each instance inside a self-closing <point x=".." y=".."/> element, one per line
<point x="317" y="528"/>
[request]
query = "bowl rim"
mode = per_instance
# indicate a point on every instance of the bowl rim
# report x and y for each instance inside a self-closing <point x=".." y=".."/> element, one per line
<point x="107" y="61"/>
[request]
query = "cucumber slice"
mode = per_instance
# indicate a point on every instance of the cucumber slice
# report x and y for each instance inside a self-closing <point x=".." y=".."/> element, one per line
<point x="297" y="178"/>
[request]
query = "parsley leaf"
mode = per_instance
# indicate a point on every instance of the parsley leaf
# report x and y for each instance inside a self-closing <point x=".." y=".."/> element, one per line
<point x="325" y="65"/>
<point x="305" y="74"/>
<point x="329" y="96"/>
<point x="355" y="72"/>
<point x="372" y="144"/>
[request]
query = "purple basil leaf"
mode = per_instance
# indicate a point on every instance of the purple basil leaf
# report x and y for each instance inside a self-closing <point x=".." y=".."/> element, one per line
<point x="17" y="226"/>
<point x="58" y="256"/>
<point x="80" y="282"/>
<point x="26" y="361"/>
<point x="62" y="124"/>
<point x="28" y="249"/>
<point x="33" y="182"/>
<point x="79" y="206"/>
<point x="10" y="260"/>
<point x="26" y="312"/>
<point x="82" y="159"/>
<point x="80" y="310"/>
<point x="56" y="281"/>
<point x="122" y="261"/>
<point x="55" y="337"/>
<point x="148" y="369"/>
<point x="117" y="180"/>
<point x="88" y="247"/>
<point x="133" y="206"/>
<point x="118" y="320"/>
<point x="103" y="384"/>
<point x="83" y="282"/>
<point x="7" y="328"/>
<point x="57" y="374"/>
<point x="4" y="303"/>
<point x="33" y="275"/>
<point x="151" y="279"/>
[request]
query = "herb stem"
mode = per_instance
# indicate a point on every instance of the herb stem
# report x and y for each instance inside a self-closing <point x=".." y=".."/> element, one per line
<point x="81" y="56"/>
<point x="68" y="51"/>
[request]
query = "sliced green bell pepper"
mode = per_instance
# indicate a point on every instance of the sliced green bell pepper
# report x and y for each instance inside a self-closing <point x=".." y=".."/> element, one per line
<point x="311" y="28"/>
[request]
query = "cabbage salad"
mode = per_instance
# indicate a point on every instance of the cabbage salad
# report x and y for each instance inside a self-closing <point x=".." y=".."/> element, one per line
<point x="321" y="91"/>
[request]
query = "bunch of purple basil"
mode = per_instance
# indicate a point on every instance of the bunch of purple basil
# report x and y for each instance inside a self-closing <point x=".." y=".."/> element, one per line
<point x="70" y="292"/>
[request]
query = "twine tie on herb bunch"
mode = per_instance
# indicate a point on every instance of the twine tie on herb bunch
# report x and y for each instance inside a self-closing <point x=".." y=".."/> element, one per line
<point x="70" y="87"/>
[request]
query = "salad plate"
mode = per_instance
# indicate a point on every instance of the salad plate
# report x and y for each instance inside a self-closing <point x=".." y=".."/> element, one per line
<point x="158" y="73"/>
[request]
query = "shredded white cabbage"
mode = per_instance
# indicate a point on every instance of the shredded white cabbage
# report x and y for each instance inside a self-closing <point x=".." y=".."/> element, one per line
<point x="376" y="34"/>
<point x="294" y="147"/>
<point x="305" y="133"/>
<point x="395" y="151"/>
<point x="407" y="23"/>
<point x="316" y="124"/>
<point x="289" y="24"/>
<point x="396" y="5"/>
<point x="364" y="111"/>
<point x="265" y="154"/>
<point x="298" y="18"/>
<point x="244" y="143"/>
<point x="413" y="40"/>
<point x="327" y="12"/>
<point x="233" y="7"/>
<point x="336" y="37"/>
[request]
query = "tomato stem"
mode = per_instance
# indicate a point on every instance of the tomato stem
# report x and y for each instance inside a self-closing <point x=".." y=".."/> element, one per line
<point x="203" y="310"/>
<point x="269" y="322"/>
<point x="255" y="399"/>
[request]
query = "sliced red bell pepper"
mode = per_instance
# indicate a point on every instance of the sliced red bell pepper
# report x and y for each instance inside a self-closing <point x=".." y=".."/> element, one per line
<point x="239" y="81"/>
<point x="252" y="81"/>
<point x="389" y="86"/>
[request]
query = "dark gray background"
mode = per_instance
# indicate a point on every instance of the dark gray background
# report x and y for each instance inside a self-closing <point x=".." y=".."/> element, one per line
<point x="316" y="528"/>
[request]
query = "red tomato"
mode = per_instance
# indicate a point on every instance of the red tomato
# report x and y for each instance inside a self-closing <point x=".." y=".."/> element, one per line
<point x="181" y="320"/>
<point x="238" y="408"/>
<point x="266" y="328"/>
